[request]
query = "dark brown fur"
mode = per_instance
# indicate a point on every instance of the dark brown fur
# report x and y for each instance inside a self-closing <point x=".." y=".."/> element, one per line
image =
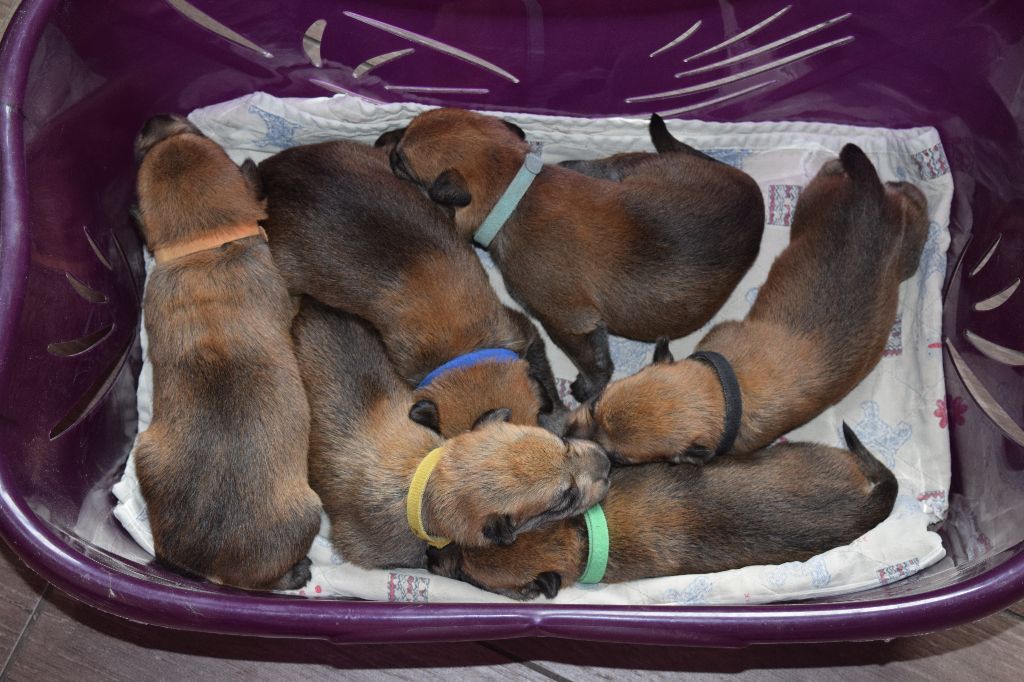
<point x="784" y="503"/>
<point x="222" y="467"/>
<point x="639" y="245"/>
<point x="818" y="327"/>
<point x="490" y="484"/>
<point x="344" y="230"/>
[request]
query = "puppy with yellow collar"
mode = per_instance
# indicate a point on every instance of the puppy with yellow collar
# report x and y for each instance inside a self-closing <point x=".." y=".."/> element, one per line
<point x="390" y="485"/>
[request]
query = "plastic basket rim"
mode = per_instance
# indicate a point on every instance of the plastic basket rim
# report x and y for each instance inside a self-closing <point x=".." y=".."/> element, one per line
<point x="229" y="612"/>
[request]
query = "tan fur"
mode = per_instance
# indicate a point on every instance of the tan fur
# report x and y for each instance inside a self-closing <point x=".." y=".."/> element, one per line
<point x="652" y="253"/>
<point x="490" y="484"/>
<point x="345" y="231"/>
<point x="785" y="503"/>
<point x="818" y="327"/>
<point x="223" y="465"/>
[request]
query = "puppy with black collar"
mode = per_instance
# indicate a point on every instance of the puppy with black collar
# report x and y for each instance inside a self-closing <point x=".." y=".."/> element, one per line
<point x="639" y="245"/>
<point x="818" y="327"/>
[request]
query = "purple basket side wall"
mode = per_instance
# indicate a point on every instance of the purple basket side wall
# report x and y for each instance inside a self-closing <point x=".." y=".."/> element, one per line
<point x="79" y="78"/>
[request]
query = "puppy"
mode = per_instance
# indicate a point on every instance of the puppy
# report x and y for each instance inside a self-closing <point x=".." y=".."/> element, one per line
<point x="639" y="245"/>
<point x="818" y="326"/>
<point x="222" y="467"/>
<point x="784" y="503"/>
<point x="345" y="231"/>
<point x="490" y="484"/>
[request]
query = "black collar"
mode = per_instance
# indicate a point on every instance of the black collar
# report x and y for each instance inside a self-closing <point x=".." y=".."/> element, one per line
<point x="731" y="393"/>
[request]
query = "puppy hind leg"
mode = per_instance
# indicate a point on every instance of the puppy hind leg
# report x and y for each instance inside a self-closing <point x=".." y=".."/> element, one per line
<point x="296" y="577"/>
<point x="591" y="355"/>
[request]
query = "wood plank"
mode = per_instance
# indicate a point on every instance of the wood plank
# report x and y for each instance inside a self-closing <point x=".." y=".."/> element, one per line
<point x="72" y="641"/>
<point x="20" y="589"/>
<point x="991" y="649"/>
<point x="7" y="8"/>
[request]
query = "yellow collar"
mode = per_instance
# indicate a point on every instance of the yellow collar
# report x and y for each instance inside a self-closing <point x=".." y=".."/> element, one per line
<point x="414" y="500"/>
<point x="211" y="241"/>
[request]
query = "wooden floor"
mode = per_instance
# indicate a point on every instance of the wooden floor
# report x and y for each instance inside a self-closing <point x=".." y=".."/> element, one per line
<point x="46" y="635"/>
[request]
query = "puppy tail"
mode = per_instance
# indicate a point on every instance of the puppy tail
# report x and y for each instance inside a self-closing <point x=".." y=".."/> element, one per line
<point x="883" y="483"/>
<point x="861" y="171"/>
<point x="664" y="142"/>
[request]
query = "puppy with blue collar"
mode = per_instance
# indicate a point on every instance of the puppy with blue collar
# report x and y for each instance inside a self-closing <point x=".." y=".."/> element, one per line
<point x="641" y="245"/>
<point x="818" y="327"/>
<point x="345" y="231"/>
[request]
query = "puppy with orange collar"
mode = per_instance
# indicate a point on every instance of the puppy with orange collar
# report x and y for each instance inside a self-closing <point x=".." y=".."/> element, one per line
<point x="640" y="245"/>
<point x="222" y="467"/>
<point x="785" y="503"/>
<point x="818" y="327"/>
<point x="391" y="486"/>
<point x="345" y="231"/>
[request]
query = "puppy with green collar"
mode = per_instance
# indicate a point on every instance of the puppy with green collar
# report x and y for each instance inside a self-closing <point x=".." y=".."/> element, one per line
<point x="785" y="503"/>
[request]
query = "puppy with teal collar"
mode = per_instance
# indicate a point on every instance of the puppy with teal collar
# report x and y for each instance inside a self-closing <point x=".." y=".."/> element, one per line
<point x="640" y="245"/>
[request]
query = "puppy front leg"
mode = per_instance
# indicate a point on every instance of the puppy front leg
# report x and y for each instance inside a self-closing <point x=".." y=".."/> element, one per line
<point x="590" y="353"/>
<point x="553" y="411"/>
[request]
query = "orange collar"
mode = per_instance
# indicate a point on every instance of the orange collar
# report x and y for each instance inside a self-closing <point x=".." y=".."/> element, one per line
<point x="231" y="234"/>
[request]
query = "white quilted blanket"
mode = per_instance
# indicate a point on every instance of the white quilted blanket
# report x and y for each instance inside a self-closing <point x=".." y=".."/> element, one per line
<point x="900" y="411"/>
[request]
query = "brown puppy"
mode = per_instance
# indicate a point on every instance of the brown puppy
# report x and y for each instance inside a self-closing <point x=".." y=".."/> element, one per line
<point x="489" y="485"/>
<point x="818" y="326"/>
<point x="638" y="245"/>
<point x="344" y="230"/>
<point x="784" y="503"/>
<point x="222" y="467"/>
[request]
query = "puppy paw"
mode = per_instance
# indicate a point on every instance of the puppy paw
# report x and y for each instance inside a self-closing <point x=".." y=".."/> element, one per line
<point x="583" y="389"/>
<point x="695" y="454"/>
<point x="296" y="577"/>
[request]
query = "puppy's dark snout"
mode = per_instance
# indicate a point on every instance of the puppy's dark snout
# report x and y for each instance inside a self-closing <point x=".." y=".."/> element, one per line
<point x="159" y="128"/>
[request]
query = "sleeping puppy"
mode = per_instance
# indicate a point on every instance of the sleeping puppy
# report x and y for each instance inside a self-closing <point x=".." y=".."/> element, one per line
<point x="222" y="467"/>
<point x="345" y="231"/>
<point x="489" y="485"/>
<point x="640" y="245"/>
<point x="784" y="503"/>
<point x="818" y="327"/>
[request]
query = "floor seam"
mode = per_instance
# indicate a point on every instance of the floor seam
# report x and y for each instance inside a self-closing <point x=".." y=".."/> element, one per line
<point x="29" y="622"/>
<point x="1015" y="615"/>
<point x="536" y="667"/>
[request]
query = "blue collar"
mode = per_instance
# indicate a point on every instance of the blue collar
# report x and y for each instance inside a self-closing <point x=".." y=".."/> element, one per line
<point x="514" y="193"/>
<point x="476" y="357"/>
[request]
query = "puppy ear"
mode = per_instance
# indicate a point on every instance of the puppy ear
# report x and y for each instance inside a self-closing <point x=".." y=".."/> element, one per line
<point x="389" y="138"/>
<point x="515" y="129"/>
<point x="499" y="414"/>
<point x="661" y="352"/>
<point x="425" y="413"/>
<point x="449" y="189"/>
<point x="548" y="583"/>
<point x="252" y="177"/>
<point x="499" y="529"/>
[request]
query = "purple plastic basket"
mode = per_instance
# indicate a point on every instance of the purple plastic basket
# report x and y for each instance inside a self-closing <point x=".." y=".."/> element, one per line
<point x="78" y="79"/>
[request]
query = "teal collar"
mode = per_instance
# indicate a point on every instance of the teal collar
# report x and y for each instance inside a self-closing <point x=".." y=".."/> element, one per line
<point x="514" y="193"/>
<point x="598" y="544"/>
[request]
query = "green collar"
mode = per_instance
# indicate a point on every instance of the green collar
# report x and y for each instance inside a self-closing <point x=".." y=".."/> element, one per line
<point x="599" y="544"/>
<point x="515" y="191"/>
